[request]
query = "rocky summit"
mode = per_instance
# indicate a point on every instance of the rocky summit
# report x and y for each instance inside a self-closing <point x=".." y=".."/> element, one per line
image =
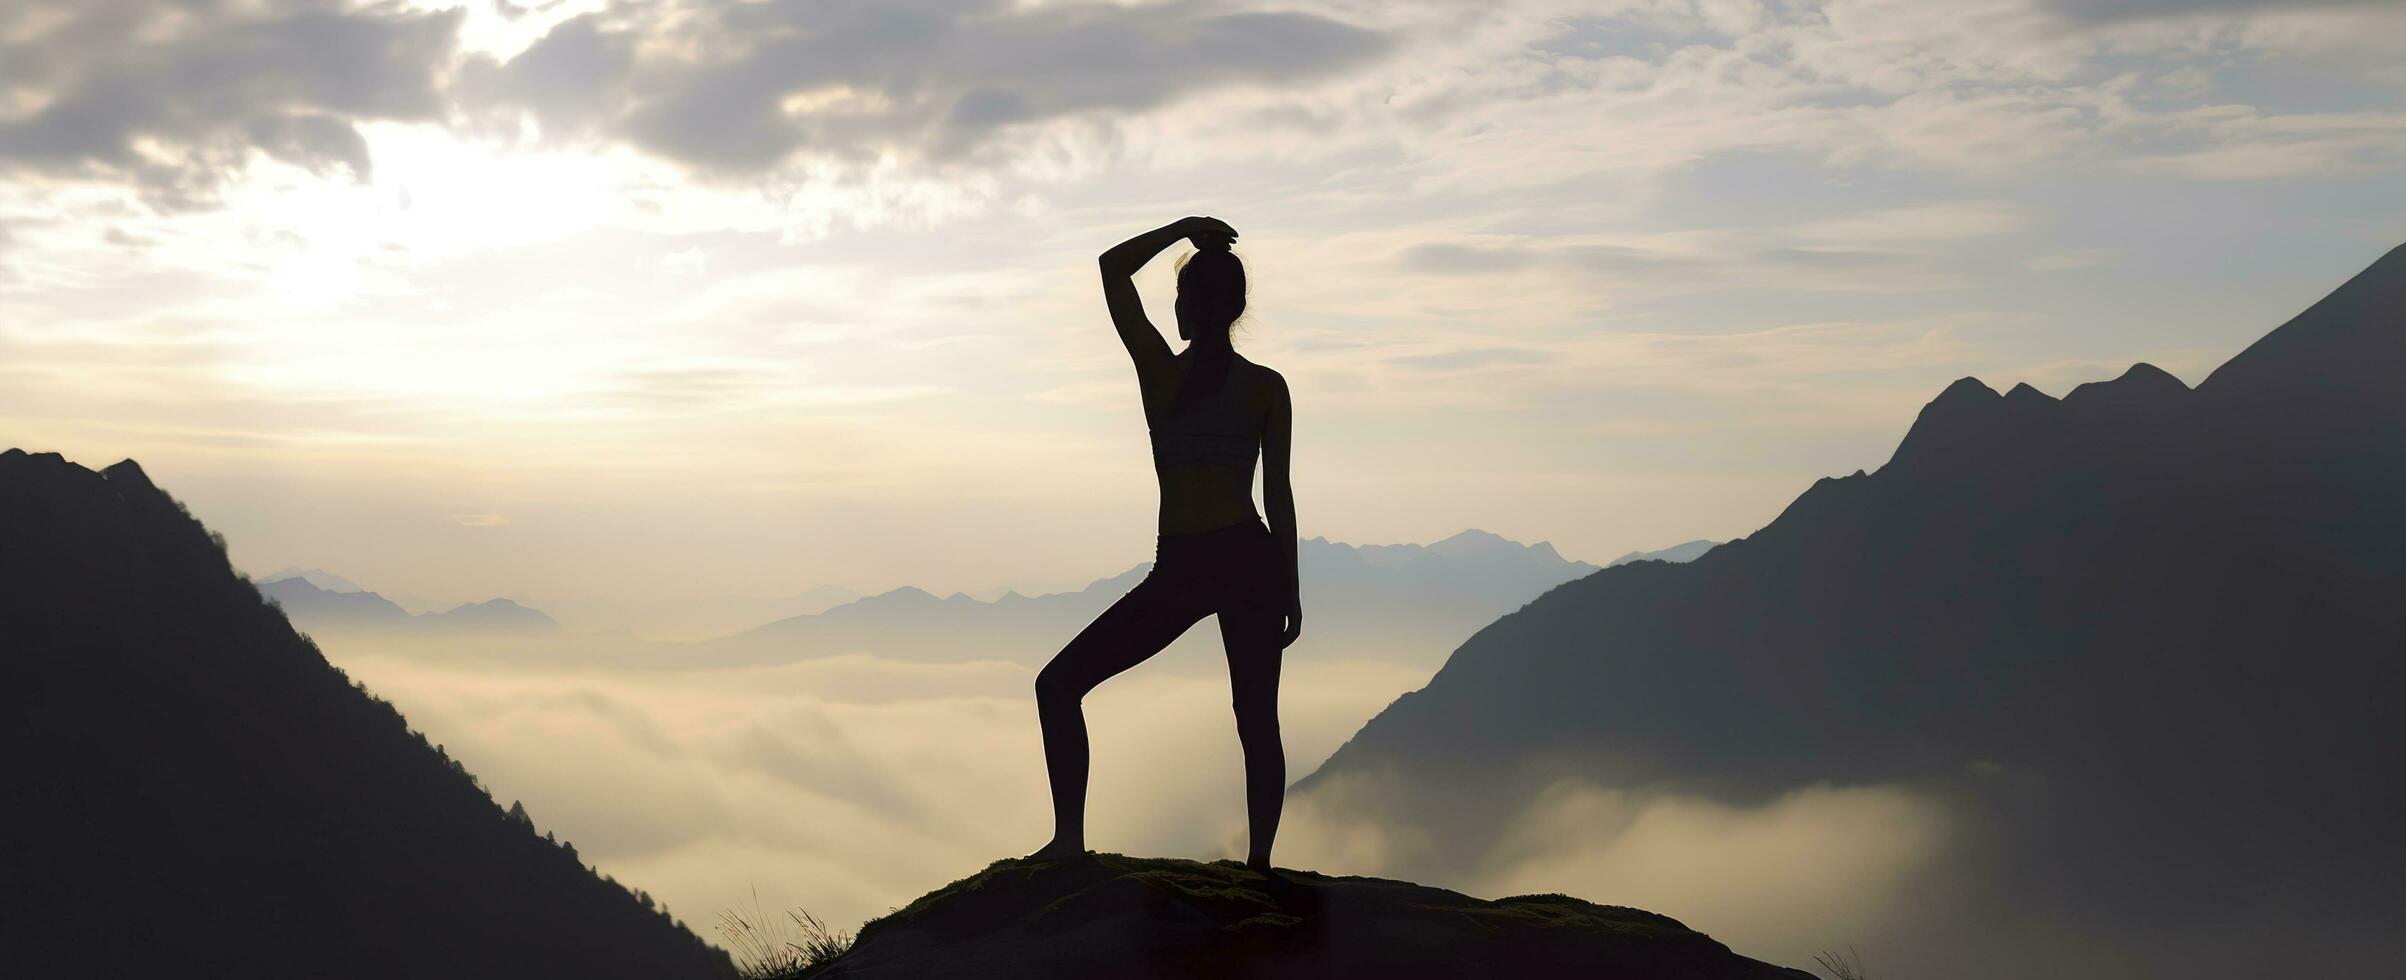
<point x="1126" y="917"/>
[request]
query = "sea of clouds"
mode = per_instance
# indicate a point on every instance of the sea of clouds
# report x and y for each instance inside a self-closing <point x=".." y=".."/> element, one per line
<point x="847" y="785"/>
<point x="850" y="785"/>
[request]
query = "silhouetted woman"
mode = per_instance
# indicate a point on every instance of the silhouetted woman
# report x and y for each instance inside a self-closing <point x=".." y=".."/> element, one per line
<point x="1210" y="412"/>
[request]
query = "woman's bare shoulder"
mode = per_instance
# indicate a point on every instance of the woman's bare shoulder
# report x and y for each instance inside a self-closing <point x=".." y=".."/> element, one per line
<point x="1265" y="390"/>
<point x="1262" y="375"/>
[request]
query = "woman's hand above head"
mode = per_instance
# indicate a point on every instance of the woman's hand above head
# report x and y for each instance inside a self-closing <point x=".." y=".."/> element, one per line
<point x="1208" y="233"/>
<point x="1119" y="264"/>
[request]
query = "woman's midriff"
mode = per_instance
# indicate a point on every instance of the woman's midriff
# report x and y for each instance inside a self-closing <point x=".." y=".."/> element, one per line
<point x="1202" y="497"/>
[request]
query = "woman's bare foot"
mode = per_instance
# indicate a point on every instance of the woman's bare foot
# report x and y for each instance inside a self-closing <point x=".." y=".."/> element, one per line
<point x="1259" y="863"/>
<point x="1056" y="850"/>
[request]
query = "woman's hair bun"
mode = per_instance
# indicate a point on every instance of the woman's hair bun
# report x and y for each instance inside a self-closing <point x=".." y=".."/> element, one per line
<point x="1212" y="282"/>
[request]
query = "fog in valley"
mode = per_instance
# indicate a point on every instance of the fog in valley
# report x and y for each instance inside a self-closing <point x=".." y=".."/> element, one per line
<point x="849" y="785"/>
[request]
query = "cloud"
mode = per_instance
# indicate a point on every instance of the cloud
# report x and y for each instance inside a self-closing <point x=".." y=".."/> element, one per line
<point x="1444" y="258"/>
<point x="177" y="98"/>
<point x="697" y="386"/>
<point x="1784" y="879"/>
<point x="2237" y="143"/>
<point x="1781" y="879"/>
<point x="1455" y="360"/>
<point x="121" y="237"/>
<point x="846" y="786"/>
<point x="742" y="88"/>
<point x="1877" y="251"/>
<point x="687" y="261"/>
<point x="930" y="328"/>
<point x="2078" y="258"/>
<point x="1918" y="223"/>
<point x="2101" y="11"/>
<point x="952" y="100"/>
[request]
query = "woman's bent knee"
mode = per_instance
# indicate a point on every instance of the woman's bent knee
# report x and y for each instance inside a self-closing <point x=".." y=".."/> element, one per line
<point x="1056" y="686"/>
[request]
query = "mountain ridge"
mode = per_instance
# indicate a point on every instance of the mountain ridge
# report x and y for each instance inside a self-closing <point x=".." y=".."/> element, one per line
<point x="314" y="607"/>
<point x="195" y="790"/>
<point x="319" y="577"/>
<point x="1684" y="551"/>
<point x="1354" y="592"/>
<point x="2190" y="587"/>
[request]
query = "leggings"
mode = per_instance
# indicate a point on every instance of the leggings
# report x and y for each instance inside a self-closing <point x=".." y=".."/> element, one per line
<point x="1231" y="571"/>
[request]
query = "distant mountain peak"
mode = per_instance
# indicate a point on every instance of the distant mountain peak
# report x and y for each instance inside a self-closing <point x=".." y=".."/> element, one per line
<point x="1471" y="538"/>
<point x="1969" y="426"/>
<point x="2023" y="393"/>
<point x="1406" y="601"/>
<point x="1965" y="390"/>
<point x="1960" y="414"/>
<point x="318" y="578"/>
<point x="1684" y="551"/>
<point x="2142" y="384"/>
<point x="126" y="473"/>
<point x="492" y="614"/>
<point x="1473" y="541"/>
<point x="2148" y="375"/>
<point x="316" y="600"/>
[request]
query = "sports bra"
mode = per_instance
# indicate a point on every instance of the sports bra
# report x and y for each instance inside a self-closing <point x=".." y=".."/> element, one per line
<point x="1217" y="448"/>
<point x="1188" y="434"/>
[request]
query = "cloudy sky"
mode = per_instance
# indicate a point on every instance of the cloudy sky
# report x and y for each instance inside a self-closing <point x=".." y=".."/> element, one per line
<point x="701" y="297"/>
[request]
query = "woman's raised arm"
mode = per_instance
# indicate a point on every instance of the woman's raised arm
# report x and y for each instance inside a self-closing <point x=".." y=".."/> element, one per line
<point x="1119" y="265"/>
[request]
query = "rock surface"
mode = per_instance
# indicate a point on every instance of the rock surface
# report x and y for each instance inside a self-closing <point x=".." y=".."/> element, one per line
<point x="1126" y="917"/>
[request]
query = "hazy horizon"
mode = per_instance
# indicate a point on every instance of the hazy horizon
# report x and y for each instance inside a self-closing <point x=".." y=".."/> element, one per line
<point x="685" y="618"/>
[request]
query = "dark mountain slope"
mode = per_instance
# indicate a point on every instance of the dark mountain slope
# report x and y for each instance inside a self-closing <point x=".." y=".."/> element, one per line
<point x="2337" y="360"/>
<point x="2147" y="639"/>
<point x="1128" y="918"/>
<point x="193" y="791"/>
